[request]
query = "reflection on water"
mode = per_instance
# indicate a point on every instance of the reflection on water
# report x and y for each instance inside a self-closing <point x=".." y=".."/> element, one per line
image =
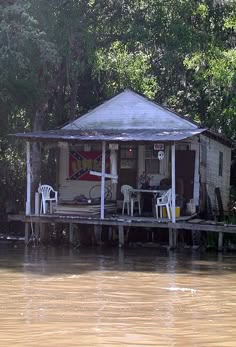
<point x="116" y="297"/>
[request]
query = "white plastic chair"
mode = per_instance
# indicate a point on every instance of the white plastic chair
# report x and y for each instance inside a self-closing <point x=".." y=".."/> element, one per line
<point x="48" y="194"/>
<point x="164" y="201"/>
<point x="130" y="198"/>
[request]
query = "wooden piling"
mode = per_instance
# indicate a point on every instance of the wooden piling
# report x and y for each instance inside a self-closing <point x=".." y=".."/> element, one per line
<point x="194" y="226"/>
<point x="71" y="233"/>
<point x="27" y="234"/>
<point x="98" y="234"/>
<point x="220" y="241"/>
<point x="172" y="238"/>
<point x="121" y="236"/>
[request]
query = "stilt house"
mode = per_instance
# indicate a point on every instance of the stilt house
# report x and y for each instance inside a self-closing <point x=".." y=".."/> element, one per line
<point x="131" y="140"/>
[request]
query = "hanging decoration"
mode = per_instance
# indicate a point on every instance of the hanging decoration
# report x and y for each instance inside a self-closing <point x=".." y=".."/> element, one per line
<point x="161" y="155"/>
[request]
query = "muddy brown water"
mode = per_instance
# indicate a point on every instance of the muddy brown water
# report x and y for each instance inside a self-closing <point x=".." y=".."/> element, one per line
<point x="115" y="297"/>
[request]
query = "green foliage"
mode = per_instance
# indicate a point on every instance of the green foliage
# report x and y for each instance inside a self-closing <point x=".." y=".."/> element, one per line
<point x="12" y="179"/>
<point x="58" y="58"/>
<point x="215" y="72"/>
<point x="120" y="68"/>
<point x="27" y="61"/>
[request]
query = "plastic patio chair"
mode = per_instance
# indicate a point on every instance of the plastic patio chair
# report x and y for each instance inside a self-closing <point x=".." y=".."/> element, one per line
<point x="164" y="201"/>
<point x="130" y="199"/>
<point x="48" y="194"/>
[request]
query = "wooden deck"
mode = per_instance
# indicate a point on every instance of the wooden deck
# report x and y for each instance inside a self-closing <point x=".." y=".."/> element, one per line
<point x="119" y="221"/>
<point x="94" y="219"/>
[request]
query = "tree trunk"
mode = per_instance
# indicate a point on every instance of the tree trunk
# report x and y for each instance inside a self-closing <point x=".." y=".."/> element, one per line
<point x="36" y="152"/>
<point x="73" y="98"/>
<point x="60" y="95"/>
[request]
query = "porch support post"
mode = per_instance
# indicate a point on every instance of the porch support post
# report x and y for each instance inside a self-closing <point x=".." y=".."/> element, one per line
<point x="103" y="178"/>
<point x="28" y="163"/>
<point x="173" y="182"/>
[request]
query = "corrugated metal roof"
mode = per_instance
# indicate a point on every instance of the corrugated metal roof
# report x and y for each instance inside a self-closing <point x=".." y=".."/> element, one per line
<point x="112" y="135"/>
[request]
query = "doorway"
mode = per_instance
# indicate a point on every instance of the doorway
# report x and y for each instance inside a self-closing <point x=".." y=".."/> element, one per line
<point x="184" y="171"/>
<point x="128" y="159"/>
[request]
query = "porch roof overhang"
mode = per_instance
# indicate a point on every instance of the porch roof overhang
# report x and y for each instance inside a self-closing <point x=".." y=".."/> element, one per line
<point x="111" y="135"/>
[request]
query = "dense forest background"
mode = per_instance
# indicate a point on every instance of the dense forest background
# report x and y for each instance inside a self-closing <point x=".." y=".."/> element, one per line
<point x="59" y="58"/>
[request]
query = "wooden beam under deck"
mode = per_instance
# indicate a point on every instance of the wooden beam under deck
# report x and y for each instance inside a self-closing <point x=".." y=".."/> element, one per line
<point x="185" y="223"/>
<point x="148" y="222"/>
<point x="205" y="226"/>
<point x="120" y="221"/>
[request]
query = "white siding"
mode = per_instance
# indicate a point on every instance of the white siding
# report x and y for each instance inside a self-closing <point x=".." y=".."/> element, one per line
<point x="209" y="169"/>
<point x="196" y="187"/>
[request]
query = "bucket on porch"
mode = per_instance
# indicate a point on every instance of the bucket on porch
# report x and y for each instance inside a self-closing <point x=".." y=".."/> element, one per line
<point x="191" y="208"/>
<point x="177" y="212"/>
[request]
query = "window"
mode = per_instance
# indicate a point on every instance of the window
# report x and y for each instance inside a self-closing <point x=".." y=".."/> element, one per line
<point x="152" y="163"/>
<point x="221" y="164"/>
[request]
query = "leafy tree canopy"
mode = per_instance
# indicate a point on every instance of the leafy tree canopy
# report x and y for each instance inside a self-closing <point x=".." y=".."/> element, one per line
<point x="59" y="58"/>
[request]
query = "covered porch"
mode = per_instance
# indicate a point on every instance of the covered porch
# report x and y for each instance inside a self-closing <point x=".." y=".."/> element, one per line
<point x="103" y="197"/>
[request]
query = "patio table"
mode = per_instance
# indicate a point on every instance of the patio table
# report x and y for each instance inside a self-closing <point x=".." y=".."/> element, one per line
<point x="155" y="192"/>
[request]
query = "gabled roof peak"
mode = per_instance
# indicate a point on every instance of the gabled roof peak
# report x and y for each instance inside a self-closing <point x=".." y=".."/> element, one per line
<point x="130" y="110"/>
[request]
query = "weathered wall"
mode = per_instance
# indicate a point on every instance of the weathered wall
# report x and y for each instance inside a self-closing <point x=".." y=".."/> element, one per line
<point x="68" y="189"/>
<point x="209" y="169"/>
<point x="207" y="163"/>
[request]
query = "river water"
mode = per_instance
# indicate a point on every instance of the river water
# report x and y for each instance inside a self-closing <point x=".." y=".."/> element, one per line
<point x="115" y="297"/>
